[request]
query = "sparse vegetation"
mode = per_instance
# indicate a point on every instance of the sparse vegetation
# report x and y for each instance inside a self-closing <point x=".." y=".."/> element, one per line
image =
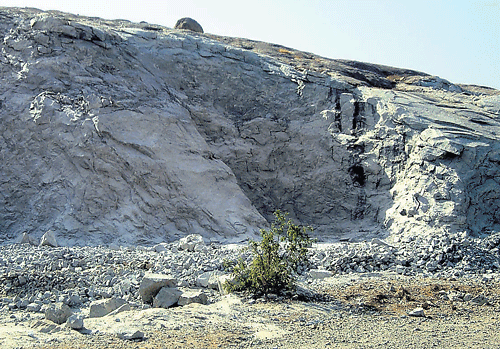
<point x="277" y="258"/>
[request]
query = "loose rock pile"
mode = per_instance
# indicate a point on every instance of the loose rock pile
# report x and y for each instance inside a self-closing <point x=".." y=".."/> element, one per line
<point x="109" y="280"/>
<point x="443" y="255"/>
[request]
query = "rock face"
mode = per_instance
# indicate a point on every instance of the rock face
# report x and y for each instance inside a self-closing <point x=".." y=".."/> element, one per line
<point x="114" y="131"/>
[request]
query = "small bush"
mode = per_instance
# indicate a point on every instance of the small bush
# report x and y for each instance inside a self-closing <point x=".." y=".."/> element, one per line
<point x="276" y="259"/>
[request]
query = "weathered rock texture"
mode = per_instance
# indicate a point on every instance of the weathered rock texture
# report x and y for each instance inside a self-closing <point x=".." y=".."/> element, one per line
<point x="115" y="131"/>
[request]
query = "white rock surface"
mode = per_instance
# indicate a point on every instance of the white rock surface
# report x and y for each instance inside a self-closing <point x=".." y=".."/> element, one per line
<point x="417" y="312"/>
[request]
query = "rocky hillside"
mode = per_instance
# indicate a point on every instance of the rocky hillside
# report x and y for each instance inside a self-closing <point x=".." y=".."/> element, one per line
<point x="112" y="131"/>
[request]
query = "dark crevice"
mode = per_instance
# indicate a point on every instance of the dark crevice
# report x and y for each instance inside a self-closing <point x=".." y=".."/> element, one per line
<point x="357" y="174"/>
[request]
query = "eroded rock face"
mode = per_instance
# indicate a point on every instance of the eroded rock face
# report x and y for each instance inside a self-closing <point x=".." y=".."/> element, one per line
<point x="112" y="131"/>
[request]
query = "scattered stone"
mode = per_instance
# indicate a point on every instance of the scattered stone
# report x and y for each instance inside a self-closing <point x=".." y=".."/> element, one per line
<point x="190" y="242"/>
<point x="417" y="312"/>
<point x="152" y="283"/>
<point x="34" y="307"/>
<point x="130" y="334"/>
<point x="58" y="313"/>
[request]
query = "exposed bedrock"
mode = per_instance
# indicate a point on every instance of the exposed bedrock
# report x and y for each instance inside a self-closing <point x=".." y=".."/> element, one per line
<point x="115" y="131"/>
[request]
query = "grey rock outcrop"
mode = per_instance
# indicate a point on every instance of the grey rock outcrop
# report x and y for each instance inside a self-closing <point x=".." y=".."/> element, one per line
<point x="189" y="24"/>
<point x="112" y="132"/>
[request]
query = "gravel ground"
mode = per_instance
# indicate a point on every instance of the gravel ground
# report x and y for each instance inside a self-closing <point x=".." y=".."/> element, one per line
<point x="357" y="311"/>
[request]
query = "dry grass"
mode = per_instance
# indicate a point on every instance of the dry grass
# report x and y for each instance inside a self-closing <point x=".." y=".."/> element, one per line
<point x="399" y="297"/>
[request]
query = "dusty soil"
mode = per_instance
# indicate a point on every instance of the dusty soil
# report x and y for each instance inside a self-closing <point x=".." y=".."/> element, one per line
<point x="360" y="311"/>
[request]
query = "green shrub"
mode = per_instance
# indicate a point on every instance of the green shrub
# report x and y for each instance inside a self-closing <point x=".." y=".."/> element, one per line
<point x="276" y="259"/>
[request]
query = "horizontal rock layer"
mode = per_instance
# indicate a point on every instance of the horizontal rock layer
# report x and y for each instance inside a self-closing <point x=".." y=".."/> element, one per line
<point x="135" y="133"/>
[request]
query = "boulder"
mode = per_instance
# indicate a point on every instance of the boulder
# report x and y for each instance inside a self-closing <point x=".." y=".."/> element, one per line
<point x="130" y="334"/>
<point x="152" y="283"/>
<point x="49" y="239"/>
<point x="105" y="306"/>
<point x="189" y="243"/>
<point x="209" y="279"/>
<point x="124" y="307"/>
<point x="25" y="238"/>
<point x="58" y="313"/>
<point x="189" y="296"/>
<point x="319" y="273"/>
<point x="167" y="297"/>
<point x="75" y="321"/>
<point x="189" y="24"/>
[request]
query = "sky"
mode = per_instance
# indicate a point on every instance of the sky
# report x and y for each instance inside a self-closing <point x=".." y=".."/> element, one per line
<point x="456" y="40"/>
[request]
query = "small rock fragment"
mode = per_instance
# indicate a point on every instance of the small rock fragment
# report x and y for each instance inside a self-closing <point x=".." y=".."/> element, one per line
<point x="479" y="300"/>
<point x="417" y="312"/>
<point x="130" y="334"/>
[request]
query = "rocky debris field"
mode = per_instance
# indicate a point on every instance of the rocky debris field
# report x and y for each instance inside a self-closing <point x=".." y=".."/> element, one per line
<point x="170" y="293"/>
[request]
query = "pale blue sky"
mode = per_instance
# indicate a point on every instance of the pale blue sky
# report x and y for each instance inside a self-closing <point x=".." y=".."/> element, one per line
<point x="456" y="40"/>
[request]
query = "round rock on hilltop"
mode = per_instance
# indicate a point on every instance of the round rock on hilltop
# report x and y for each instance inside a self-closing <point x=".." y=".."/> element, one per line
<point x="189" y="24"/>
